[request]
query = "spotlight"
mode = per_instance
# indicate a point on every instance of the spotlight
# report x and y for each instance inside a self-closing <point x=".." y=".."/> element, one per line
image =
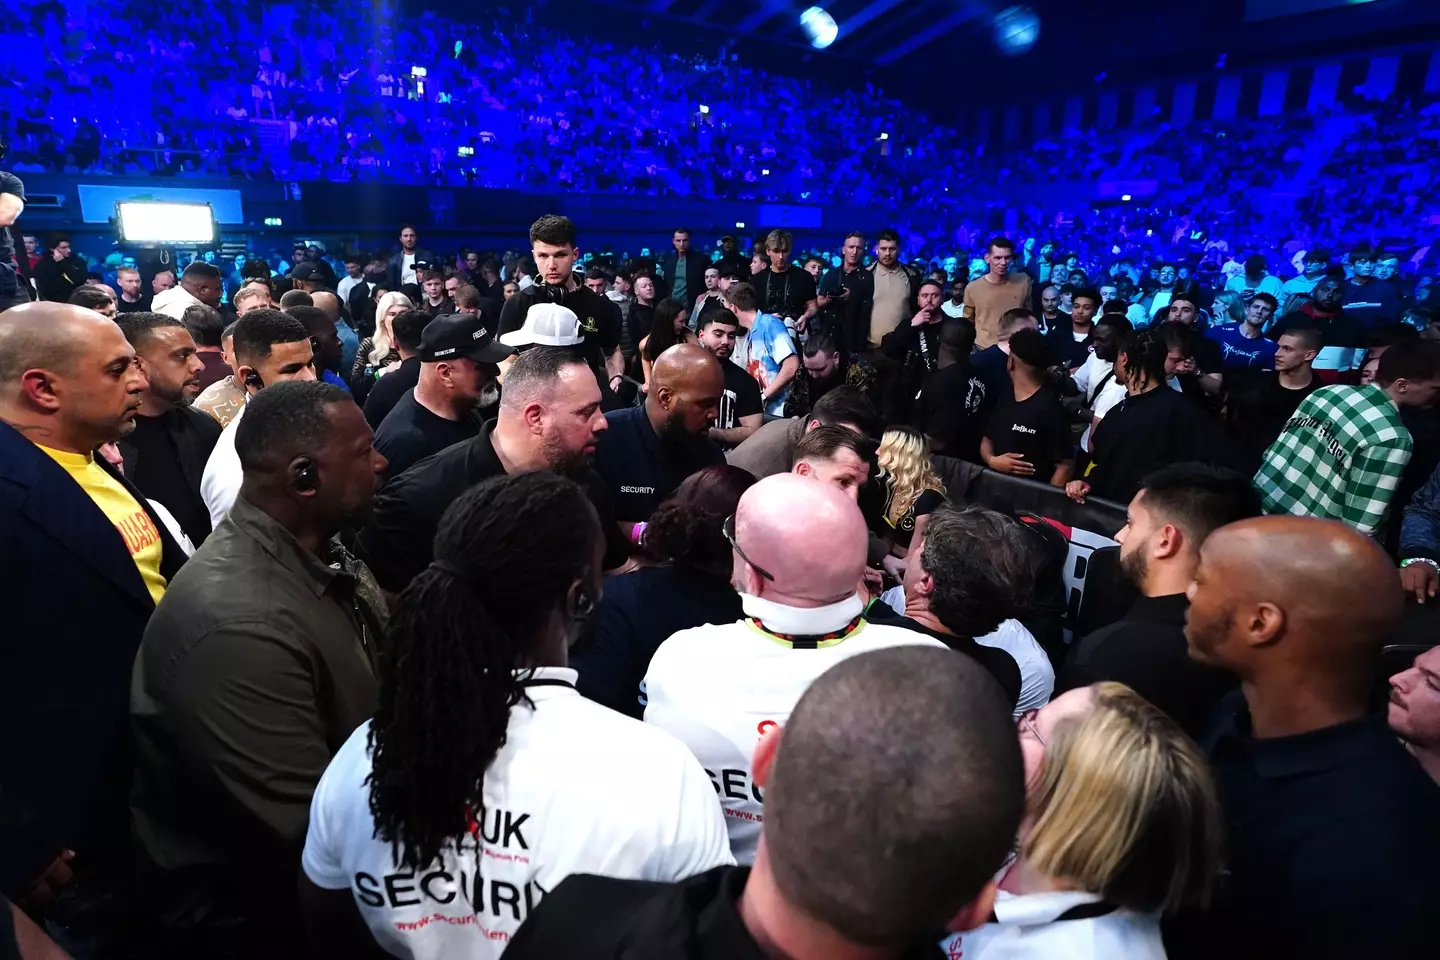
<point x="819" y="27"/>
<point x="704" y="108"/>
<point x="1016" y="30"/>
<point x="884" y="136"/>
<point x="1124" y="198"/>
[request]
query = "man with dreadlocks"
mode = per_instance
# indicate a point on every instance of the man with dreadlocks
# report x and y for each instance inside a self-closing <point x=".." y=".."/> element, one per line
<point x="484" y="778"/>
<point x="1153" y="427"/>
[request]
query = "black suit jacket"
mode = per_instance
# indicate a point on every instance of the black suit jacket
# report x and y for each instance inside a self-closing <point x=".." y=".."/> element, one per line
<point x="695" y="266"/>
<point x="75" y="608"/>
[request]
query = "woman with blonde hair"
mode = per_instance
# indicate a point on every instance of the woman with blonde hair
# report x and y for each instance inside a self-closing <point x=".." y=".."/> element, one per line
<point x="1123" y="826"/>
<point x="376" y="354"/>
<point x="913" y="491"/>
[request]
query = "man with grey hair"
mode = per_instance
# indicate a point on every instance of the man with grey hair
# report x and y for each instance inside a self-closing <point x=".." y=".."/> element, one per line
<point x="549" y="419"/>
<point x="969" y="575"/>
<point x="799" y="551"/>
<point x="867" y="850"/>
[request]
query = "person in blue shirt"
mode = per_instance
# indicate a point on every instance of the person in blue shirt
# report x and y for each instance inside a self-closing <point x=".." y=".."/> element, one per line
<point x="1243" y="345"/>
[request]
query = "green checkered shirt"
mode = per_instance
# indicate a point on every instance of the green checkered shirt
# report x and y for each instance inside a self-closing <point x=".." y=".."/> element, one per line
<point x="1339" y="457"/>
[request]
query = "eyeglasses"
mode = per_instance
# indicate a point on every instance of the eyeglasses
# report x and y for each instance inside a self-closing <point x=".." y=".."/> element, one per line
<point x="728" y="529"/>
<point x="1027" y="720"/>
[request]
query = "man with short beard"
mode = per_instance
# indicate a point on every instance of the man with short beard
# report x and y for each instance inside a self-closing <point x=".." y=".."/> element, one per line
<point x="130" y="299"/>
<point x="165" y="455"/>
<point x="1175" y="510"/>
<point x="549" y="419"/>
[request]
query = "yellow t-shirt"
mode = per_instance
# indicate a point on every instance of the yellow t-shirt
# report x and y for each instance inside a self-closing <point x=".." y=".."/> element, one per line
<point x="130" y="519"/>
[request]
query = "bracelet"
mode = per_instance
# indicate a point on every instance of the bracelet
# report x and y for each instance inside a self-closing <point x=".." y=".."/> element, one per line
<point x="637" y="531"/>
<point x="1434" y="565"/>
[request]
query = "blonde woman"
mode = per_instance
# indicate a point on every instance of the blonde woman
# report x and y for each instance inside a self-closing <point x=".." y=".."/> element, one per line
<point x="913" y="491"/>
<point x="378" y="352"/>
<point x="1123" y="826"/>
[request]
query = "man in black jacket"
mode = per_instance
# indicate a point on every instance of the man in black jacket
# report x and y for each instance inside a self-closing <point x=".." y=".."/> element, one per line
<point x="405" y="258"/>
<point x="84" y="560"/>
<point x="683" y="270"/>
<point x="60" y="273"/>
<point x="831" y="878"/>
<point x="165" y="454"/>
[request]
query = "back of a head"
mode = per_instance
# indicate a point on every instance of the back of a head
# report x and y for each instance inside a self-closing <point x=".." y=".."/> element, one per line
<point x="199" y="270"/>
<point x="1198" y="499"/>
<point x="1126" y="807"/>
<point x="206" y="325"/>
<point x="686" y="529"/>
<point x="1417" y="361"/>
<point x="817" y="346"/>
<point x="848" y="406"/>
<point x="259" y="330"/>
<point x="895" y="794"/>
<point x="508" y="555"/>
<point x="742" y="297"/>
<point x="467" y="297"/>
<point x="535" y="373"/>
<point x="296" y="298"/>
<point x="408" y="326"/>
<point x="1029" y="347"/>
<point x="313" y="317"/>
<point x="285" y="421"/>
<point x="1145" y="352"/>
<point x="810" y="536"/>
<point x="1013" y="319"/>
<point x="984" y="566"/>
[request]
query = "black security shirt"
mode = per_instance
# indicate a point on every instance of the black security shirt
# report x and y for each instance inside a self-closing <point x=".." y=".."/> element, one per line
<point x="641" y="469"/>
<point x="388" y="390"/>
<point x="411" y="433"/>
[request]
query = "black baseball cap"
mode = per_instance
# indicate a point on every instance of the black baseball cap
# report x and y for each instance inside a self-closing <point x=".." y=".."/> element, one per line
<point x="305" y="271"/>
<point x="460" y="335"/>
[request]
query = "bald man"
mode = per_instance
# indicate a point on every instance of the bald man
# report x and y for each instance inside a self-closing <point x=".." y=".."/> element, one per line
<point x="349" y="339"/>
<point x="650" y="449"/>
<point x="799" y="553"/>
<point x="1334" y="830"/>
<point x="84" y="559"/>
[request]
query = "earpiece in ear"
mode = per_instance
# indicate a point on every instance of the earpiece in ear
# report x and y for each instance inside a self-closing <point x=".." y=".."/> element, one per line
<point x="306" y="476"/>
<point x="253" y="379"/>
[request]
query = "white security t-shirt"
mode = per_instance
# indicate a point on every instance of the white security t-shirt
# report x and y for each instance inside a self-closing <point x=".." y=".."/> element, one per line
<point x="220" y="482"/>
<point x="577" y="788"/>
<point x="719" y="689"/>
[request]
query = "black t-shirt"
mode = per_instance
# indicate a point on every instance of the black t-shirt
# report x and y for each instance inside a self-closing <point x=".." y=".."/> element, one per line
<point x="784" y="294"/>
<point x="11" y="184"/>
<point x="952" y="411"/>
<point x="388" y="390"/>
<point x="139" y="306"/>
<point x="599" y="325"/>
<point x="1037" y="428"/>
<point x="158" y="475"/>
<point x="740" y="399"/>
<point x="902" y="528"/>
<point x="410" y="433"/>
<point x="1256" y="409"/>
<point x="1150" y="430"/>
<point x="641" y="469"/>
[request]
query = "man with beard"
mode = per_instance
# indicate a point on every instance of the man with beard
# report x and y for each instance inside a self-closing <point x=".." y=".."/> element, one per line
<point x="401" y="267"/>
<point x="845" y="296"/>
<point x="1175" y="510"/>
<point x="165" y="455"/>
<point x="549" y="419"/>
<point x="649" y="450"/>
<point x="1143" y="313"/>
<point x="731" y="259"/>
<point x="741" y="409"/>
<point x="1343" y="337"/>
<point x="256" y="666"/>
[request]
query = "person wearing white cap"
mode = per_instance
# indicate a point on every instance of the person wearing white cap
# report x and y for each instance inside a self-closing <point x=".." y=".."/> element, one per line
<point x="546" y="325"/>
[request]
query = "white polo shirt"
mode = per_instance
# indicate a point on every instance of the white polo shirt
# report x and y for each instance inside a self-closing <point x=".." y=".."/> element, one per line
<point x="577" y="788"/>
<point x="220" y="482"/>
<point x="1026" y="927"/>
<point x="719" y="689"/>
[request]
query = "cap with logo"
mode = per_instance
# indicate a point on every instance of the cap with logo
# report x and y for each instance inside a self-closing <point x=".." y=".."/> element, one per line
<point x="546" y="325"/>
<point x="305" y="271"/>
<point x="460" y="335"/>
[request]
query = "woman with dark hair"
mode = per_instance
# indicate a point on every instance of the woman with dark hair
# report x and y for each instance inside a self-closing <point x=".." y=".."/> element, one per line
<point x="683" y="582"/>
<point x="666" y="329"/>
<point x="485" y="778"/>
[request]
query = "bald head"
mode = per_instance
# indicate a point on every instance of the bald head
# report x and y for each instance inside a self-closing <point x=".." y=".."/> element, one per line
<point x="328" y="302"/>
<point x="808" y="535"/>
<point x="686" y="384"/>
<point x="1314" y="595"/>
<point x="68" y="376"/>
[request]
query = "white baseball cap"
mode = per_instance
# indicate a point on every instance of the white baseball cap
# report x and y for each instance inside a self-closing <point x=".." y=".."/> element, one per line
<point x="547" y="325"/>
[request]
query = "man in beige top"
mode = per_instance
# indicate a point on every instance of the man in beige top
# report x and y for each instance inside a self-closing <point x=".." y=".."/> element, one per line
<point x="895" y="289"/>
<point x="999" y="290"/>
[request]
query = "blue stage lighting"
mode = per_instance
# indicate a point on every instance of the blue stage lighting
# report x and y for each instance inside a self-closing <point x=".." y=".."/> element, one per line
<point x="1016" y="30"/>
<point x="819" y="27"/>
